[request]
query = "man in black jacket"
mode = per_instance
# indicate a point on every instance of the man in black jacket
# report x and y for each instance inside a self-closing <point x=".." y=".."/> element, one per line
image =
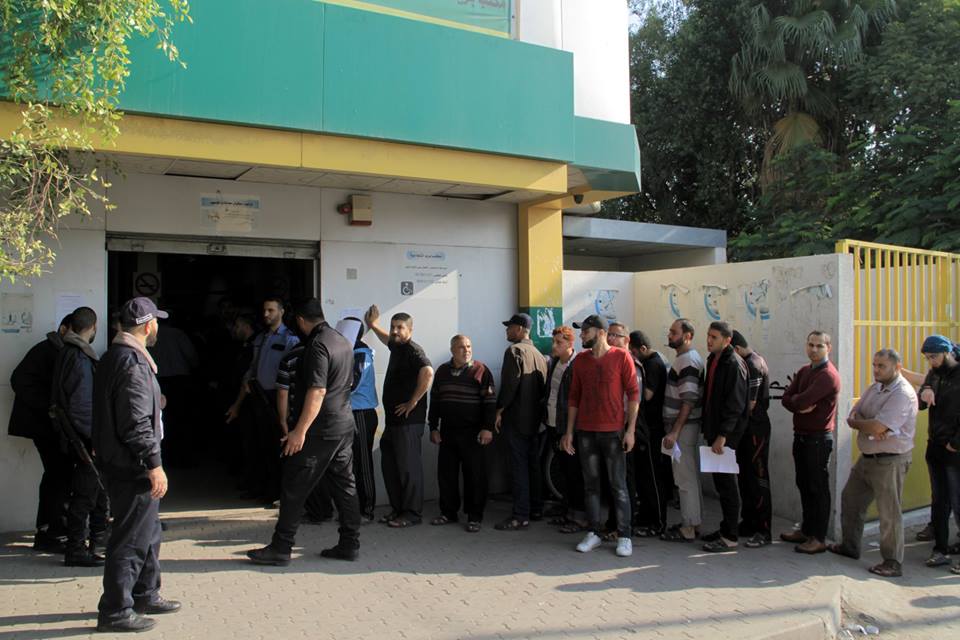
<point x="127" y="430"/>
<point x="522" y="380"/>
<point x="30" y="418"/>
<point x="725" y="412"/>
<point x="73" y="394"/>
<point x="940" y="393"/>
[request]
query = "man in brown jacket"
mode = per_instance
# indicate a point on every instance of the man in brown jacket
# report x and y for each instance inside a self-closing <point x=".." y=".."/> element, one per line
<point x="522" y="380"/>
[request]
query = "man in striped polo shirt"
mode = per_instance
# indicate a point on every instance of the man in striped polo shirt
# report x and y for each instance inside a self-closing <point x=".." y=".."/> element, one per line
<point x="463" y="407"/>
<point x="681" y="419"/>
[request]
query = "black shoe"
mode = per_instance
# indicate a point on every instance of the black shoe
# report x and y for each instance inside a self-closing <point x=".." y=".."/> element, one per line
<point x="134" y="623"/>
<point x="711" y="537"/>
<point x="340" y="553"/>
<point x="48" y="543"/>
<point x="82" y="558"/>
<point x="158" y="606"/>
<point x="269" y="556"/>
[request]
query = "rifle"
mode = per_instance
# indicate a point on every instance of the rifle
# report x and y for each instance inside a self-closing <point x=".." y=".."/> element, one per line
<point x="60" y="420"/>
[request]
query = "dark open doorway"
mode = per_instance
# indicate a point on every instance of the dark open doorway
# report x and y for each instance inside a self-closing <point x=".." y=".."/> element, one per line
<point x="200" y="375"/>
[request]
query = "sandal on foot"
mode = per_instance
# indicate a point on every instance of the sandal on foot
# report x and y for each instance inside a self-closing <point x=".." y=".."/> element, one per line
<point x="955" y="569"/>
<point x="673" y="535"/>
<point x="512" y="524"/>
<point x="887" y="569"/>
<point x="472" y="527"/>
<point x="393" y="515"/>
<point x="441" y="520"/>
<point x="573" y="526"/>
<point x="402" y="523"/>
<point x="646" y="532"/>
<point x="719" y="545"/>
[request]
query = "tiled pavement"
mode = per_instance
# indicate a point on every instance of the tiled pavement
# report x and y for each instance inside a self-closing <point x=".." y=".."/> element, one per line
<point x="440" y="582"/>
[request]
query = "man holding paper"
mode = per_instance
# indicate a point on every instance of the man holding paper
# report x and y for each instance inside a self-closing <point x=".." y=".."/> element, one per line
<point x="725" y="412"/>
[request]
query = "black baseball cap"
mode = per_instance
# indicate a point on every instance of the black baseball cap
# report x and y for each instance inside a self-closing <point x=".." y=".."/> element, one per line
<point x="738" y="340"/>
<point x="520" y="319"/>
<point x="594" y="321"/>
<point x="140" y="311"/>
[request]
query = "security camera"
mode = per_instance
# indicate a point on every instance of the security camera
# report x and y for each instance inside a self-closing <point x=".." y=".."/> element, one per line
<point x="578" y="198"/>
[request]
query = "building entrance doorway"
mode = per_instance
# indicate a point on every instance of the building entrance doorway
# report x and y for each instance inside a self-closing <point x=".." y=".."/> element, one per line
<point x="201" y="356"/>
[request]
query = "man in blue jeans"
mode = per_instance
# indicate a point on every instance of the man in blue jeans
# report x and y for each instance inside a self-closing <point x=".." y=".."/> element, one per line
<point x="522" y="380"/>
<point x="602" y="377"/>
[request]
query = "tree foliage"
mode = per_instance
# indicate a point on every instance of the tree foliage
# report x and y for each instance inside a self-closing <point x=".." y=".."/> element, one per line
<point x="64" y="62"/>
<point x="722" y="103"/>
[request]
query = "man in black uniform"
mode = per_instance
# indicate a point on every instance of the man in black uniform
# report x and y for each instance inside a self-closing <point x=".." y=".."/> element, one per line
<point x="31" y="382"/>
<point x="73" y="394"/>
<point x="127" y="430"/>
<point x="320" y="446"/>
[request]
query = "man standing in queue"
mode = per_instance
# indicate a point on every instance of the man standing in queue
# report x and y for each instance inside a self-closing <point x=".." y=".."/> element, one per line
<point x="127" y="430"/>
<point x="409" y="376"/>
<point x="320" y="446"/>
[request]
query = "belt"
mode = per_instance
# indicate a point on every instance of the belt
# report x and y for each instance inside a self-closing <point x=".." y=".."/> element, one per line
<point x="881" y="455"/>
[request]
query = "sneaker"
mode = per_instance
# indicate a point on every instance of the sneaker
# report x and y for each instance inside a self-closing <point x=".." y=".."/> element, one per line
<point x="757" y="540"/>
<point x="269" y="556"/>
<point x="624" y="547"/>
<point x="925" y="534"/>
<point x="134" y="623"/>
<point x="937" y="559"/>
<point x="590" y="542"/>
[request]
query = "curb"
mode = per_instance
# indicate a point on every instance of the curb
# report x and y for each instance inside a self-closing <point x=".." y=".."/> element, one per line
<point x="821" y="622"/>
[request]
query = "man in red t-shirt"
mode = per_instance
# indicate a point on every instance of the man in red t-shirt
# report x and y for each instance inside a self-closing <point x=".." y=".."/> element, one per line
<point x="602" y="377"/>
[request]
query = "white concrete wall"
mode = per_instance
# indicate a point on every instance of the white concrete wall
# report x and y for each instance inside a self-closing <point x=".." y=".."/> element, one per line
<point x="80" y="270"/>
<point x="477" y="273"/>
<point x="597" y="33"/>
<point x="606" y="293"/>
<point x="775" y="304"/>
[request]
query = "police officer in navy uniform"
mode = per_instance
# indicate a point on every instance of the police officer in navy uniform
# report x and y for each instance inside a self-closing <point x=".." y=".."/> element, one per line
<point x="127" y="430"/>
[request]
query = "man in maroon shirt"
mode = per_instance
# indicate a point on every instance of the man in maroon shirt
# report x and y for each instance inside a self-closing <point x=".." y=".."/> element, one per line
<point x="812" y="398"/>
<point x="602" y="377"/>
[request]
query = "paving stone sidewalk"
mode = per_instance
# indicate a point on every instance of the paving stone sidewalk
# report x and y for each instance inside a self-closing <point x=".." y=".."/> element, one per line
<point x="440" y="582"/>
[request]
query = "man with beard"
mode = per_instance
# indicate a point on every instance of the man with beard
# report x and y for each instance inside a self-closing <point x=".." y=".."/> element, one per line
<point x="30" y="418"/>
<point x="409" y="376"/>
<point x="681" y="417"/>
<point x="73" y="394"/>
<point x="127" y="430"/>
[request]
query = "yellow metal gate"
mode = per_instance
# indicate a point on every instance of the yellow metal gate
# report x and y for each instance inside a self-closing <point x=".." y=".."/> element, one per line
<point x="902" y="295"/>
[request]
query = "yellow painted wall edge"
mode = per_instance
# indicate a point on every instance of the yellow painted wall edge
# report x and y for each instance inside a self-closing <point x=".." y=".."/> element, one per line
<point x="186" y="139"/>
<point x="411" y="15"/>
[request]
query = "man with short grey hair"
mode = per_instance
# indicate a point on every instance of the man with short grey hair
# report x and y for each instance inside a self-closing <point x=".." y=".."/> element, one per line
<point x="885" y="420"/>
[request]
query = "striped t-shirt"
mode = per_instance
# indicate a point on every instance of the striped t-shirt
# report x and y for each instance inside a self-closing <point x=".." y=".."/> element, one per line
<point x="683" y="387"/>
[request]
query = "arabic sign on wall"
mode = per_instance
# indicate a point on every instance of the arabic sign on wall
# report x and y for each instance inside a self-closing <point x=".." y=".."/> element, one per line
<point x="486" y="14"/>
<point x="229" y="212"/>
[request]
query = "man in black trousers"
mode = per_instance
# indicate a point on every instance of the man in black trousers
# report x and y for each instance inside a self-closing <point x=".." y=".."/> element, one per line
<point x="725" y="412"/>
<point x="320" y="446"/>
<point x="127" y="430"/>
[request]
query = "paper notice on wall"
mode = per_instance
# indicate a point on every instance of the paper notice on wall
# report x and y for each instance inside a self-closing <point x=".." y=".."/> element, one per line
<point x="427" y="275"/>
<point x="16" y="310"/>
<point x="66" y="302"/>
<point x="230" y="212"/>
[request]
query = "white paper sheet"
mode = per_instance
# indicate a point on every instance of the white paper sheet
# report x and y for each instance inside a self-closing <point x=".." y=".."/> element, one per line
<point x="673" y="453"/>
<point x="713" y="463"/>
<point x="349" y="329"/>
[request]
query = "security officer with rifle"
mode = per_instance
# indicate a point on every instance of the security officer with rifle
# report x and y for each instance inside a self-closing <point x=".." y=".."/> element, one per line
<point x="72" y="412"/>
<point x="127" y="430"/>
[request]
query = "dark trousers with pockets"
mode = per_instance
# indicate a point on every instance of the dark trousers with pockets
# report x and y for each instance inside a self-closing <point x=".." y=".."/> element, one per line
<point x="132" y="570"/>
<point x="54" y="485"/>
<point x="526" y="452"/>
<point x="652" y="472"/>
<point x="944" y="469"/>
<point x="401" y="460"/>
<point x="753" y="453"/>
<point x="366" y="429"/>
<point x="729" y="493"/>
<point x="87" y="509"/>
<point x="460" y="450"/>
<point x="599" y="449"/>
<point x="267" y="429"/>
<point x="811" y="453"/>
<point x="321" y="460"/>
